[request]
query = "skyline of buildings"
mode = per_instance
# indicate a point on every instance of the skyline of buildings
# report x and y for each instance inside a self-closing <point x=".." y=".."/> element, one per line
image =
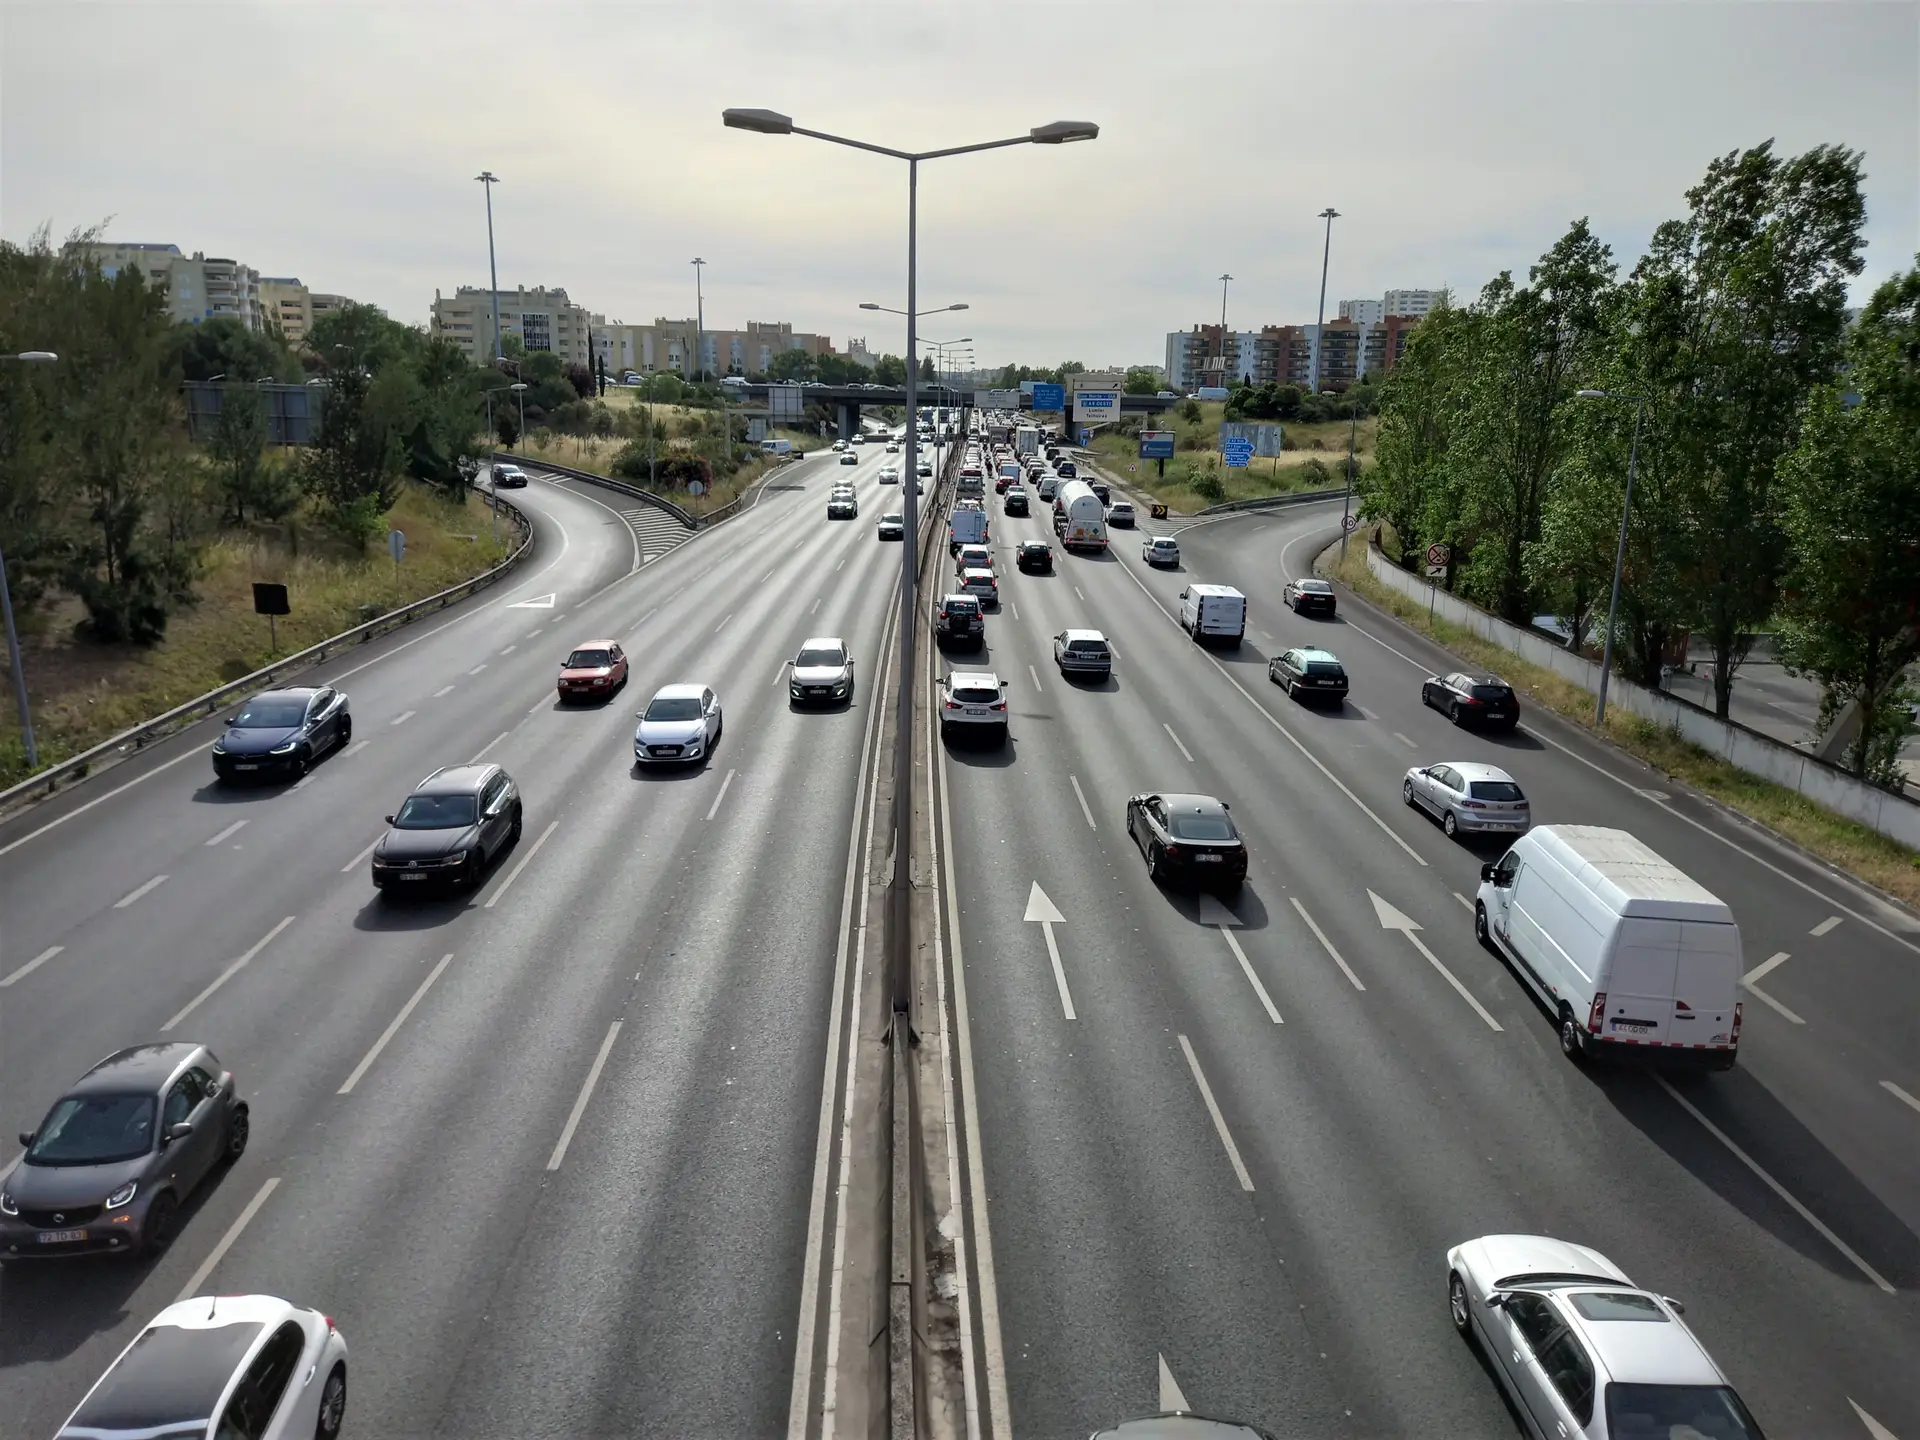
<point x="1369" y="336"/>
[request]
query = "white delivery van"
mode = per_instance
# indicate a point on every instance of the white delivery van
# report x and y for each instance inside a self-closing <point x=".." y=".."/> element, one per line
<point x="1630" y="954"/>
<point x="1083" y="517"/>
<point x="969" y="484"/>
<point x="1026" y="440"/>
<point x="1211" y="612"/>
<point x="966" y="526"/>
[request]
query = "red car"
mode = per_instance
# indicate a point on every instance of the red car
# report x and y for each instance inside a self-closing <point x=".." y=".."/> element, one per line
<point x="593" y="671"/>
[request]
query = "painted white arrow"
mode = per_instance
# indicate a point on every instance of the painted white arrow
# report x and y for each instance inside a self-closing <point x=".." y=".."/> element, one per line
<point x="538" y="602"/>
<point x="1392" y="919"/>
<point x="1172" y="1400"/>
<point x="1213" y="913"/>
<point x="1874" y="1427"/>
<point x="1044" y="913"/>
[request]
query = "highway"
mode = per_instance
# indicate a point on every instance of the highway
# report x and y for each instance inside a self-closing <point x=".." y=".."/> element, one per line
<point x="542" y="1152"/>
<point x="1238" y="1140"/>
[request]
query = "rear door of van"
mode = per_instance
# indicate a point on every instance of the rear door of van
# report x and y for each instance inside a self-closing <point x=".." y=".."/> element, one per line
<point x="1639" y="982"/>
<point x="1705" y="985"/>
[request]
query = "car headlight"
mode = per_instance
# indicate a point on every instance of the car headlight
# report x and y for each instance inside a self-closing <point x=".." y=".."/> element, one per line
<point x="220" y="746"/>
<point x="122" y="1195"/>
<point x="456" y="857"/>
<point x="286" y="749"/>
<point x="6" y="1203"/>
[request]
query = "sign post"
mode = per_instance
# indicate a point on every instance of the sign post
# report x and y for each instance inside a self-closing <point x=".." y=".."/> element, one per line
<point x="1437" y="557"/>
<point x="396" y="547"/>
<point x="270" y="600"/>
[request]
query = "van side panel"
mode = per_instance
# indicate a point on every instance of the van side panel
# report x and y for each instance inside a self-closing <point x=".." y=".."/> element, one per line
<point x="1554" y="934"/>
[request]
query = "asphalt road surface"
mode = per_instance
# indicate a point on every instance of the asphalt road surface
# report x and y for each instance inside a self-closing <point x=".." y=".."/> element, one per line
<point x="543" y="1152"/>
<point x="1245" y="1153"/>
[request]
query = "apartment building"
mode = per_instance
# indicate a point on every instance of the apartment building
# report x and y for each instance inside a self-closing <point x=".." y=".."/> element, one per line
<point x="286" y="305"/>
<point x="1345" y="350"/>
<point x="199" y="287"/>
<point x="542" y="319"/>
<point x="1414" y="303"/>
<point x="668" y="346"/>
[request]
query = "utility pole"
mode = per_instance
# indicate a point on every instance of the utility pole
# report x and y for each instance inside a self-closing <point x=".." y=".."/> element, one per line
<point x="489" y="179"/>
<point x="699" y="322"/>
<point x="1320" y="323"/>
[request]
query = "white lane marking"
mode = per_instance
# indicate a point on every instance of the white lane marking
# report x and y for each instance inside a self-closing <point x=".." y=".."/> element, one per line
<point x="1366" y="714"/>
<point x="538" y="602"/>
<point x="227" y="974"/>
<point x="1084" y="810"/>
<point x="1405" y="741"/>
<point x="354" y="863"/>
<point x="816" y="604"/>
<point x="1043" y="912"/>
<point x="1875" y="1430"/>
<point x="768" y="576"/>
<point x="366" y="1062"/>
<point x="714" y="808"/>
<point x="1464" y="901"/>
<point x="1176" y="740"/>
<point x="132" y="895"/>
<point x="1016" y="610"/>
<point x="514" y="874"/>
<point x="586" y="1093"/>
<point x="1887" y="1085"/>
<point x="443" y="690"/>
<point x="302" y="783"/>
<point x="843" y="560"/>
<point x="510" y="649"/>
<point x="723" y="624"/>
<point x="403" y="717"/>
<point x="218" y="1253"/>
<point x="539" y="706"/>
<point x="225" y="833"/>
<point x="1078" y="591"/>
<point x="354" y="749"/>
<point x="1171" y="1397"/>
<point x="1765" y="967"/>
<point x="100" y="799"/>
<point x="1035" y="676"/>
<point x="495" y="741"/>
<point x="780" y="674"/>
<point x="1774" y="1185"/>
<point x="1219" y="1120"/>
<point x="1750" y="983"/>
<point x="1327" y="945"/>
<point x="1266" y="1000"/>
<point x="533" y="632"/>
<point x="1392" y="919"/>
<point x="1825" y="925"/>
<point x="32" y="965"/>
<point x="1775" y="1005"/>
<point x="478" y="668"/>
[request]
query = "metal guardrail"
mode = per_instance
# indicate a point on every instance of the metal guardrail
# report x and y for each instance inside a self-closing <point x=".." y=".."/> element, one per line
<point x="692" y="522"/>
<point x="1268" y="502"/>
<point x="160" y="726"/>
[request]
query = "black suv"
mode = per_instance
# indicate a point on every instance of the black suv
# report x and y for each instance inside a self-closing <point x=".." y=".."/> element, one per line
<point x="1472" y="699"/>
<point x="450" y="828"/>
<point x="958" y="618"/>
<point x="1035" y="557"/>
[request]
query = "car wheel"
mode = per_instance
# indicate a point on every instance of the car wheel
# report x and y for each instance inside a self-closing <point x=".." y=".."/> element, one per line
<point x="513" y="830"/>
<point x="239" y="1130"/>
<point x="470" y="871"/>
<point x="946" y="733"/>
<point x="1573" y="1040"/>
<point x="346" y="730"/>
<point x="1453" y="711"/>
<point x="1406" y="792"/>
<point x="1480" y="931"/>
<point x="1457" y="1303"/>
<point x="1156" y="868"/>
<point x="1293" y="690"/>
<point x="1449" y="826"/>
<point x="302" y="762"/>
<point x="157" y="1233"/>
<point x="333" y="1405"/>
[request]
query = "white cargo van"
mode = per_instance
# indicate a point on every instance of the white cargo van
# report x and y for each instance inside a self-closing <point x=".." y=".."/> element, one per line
<point x="1083" y="519"/>
<point x="966" y="526"/>
<point x="1213" y="612"/>
<point x="1629" y="954"/>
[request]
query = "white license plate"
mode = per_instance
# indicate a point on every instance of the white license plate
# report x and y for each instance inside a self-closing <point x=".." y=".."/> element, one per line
<point x="246" y="767"/>
<point x="975" y="712"/>
<point x="1204" y="859"/>
<point x="413" y="874"/>
<point x="60" y="1237"/>
<point x="1629" y="1029"/>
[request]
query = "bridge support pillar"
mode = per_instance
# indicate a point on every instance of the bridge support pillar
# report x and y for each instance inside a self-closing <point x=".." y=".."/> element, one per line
<point x="849" y="419"/>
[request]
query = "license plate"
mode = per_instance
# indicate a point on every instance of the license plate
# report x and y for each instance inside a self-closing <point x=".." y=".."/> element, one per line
<point x="817" y="690"/>
<point x="1204" y="859"/>
<point x="60" y="1237"/>
<point x="974" y="712"/>
<point x="413" y="874"/>
<point x="1631" y="1028"/>
<point x="246" y="767"/>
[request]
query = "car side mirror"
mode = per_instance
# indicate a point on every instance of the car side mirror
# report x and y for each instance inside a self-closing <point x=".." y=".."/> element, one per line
<point x="1497" y="1300"/>
<point x="180" y="1131"/>
<point x="26" y="1137"/>
<point x="231" y="719"/>
<point x="1487" y="871"/>
<point x="1676" y="1306"/>
<point x="388" y="819"/>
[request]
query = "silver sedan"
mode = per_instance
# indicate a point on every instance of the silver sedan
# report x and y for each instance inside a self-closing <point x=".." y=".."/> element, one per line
<point x="1468" y="798"/>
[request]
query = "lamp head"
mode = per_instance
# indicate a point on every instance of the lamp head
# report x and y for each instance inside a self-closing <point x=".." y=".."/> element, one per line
<point x="1591" y="394"/>
<point x="1063" y="132"/>
<point x="36" y="355"/>
<point x="765" y="122"/>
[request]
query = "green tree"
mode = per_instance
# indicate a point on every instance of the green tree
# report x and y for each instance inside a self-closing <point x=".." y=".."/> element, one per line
<point x="1141" y="381"/>
<point x="353" y="469"/>
<point x="1419" y="414"/>
<point x="248" y="484"/>
<point x="224" y="346"/>
<point x="927" y="372"/>
<point x="790" y="365"/>
<point x="890" y="370"/>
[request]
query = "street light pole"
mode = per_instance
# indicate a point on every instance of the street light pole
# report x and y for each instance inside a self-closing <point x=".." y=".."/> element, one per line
<point x="6" y="613"/>
<point x="1620" y="546"/>
<point x="1320" y="322"/>
<point x="489" y="179"/>
<point x="770" y="122"/>
<point x="699" y="321"/>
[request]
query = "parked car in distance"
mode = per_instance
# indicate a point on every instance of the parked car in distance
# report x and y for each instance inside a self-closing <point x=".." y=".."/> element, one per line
<point x="1468" y="798"/>
<point x="108" y="1168"/>
<point x="282" y="732"/>
<point x="1307" y="673"/>
<point x="1034" y="557"/>
<point x="1190" y="837"/>
<point x="681" y="724"/>
<point x="973" y="702"/>
<point x="1308" y="597"/>
<point x="1472" y="699"/>
<point x="448" y="829"/>
<point x="1083" y="652"/>
<point x="1161" y="550"/>
<point x="892" y="526"/>
<point x="593" y="671"/>
<point x="957" y="618"/>
<point x="822" y="672"/>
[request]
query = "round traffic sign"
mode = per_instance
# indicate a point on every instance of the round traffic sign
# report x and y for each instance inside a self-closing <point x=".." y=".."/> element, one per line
<point x="1349" y="522"/>
<point x="696" y="487"/>
<point x="1436" y="554"/>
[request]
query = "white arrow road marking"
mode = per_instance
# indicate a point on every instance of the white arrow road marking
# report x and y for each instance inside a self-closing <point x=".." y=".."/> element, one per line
<point x="1327" y="945"/>
<point x="539" y="602"/>
<point x="1044" y="913"/>
<point x="1750" y="983"/>
<point x="1171" y="1398"/>
<point x="1874" y="1427"/>
<point x="1392" y="919"/>
<point x="1219" y="1120"/>
<point x="1213" y="913"/>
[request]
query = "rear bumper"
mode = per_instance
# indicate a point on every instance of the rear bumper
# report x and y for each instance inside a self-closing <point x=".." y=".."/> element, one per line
<point x="1669" y="1054"/>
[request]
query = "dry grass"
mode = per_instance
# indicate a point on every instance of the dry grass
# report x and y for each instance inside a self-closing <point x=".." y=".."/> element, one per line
<point x="1275" y="475"/>
<point x="83" y="692"/>
<point x="1867" y="854"/>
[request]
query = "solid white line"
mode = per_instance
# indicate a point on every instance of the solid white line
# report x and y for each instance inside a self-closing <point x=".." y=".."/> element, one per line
<point x="219" y="1251"/>
<point x="1219" y="1120"/>
<point x="1774" y="1185"/>
<point x="1766" y="999"/>
<point x="1405" y="741"/>
<point x="714" y="808"/>
<point x="1887" y="1085"/>
<point x="1765" y="967"/>
<point x="586" y="1093"/>
<point x="1083" y="802"/>
<point x="1176" y="740"/>
<point x="1825" y="925"/>
<point x="100" y="799"/>
<point x="125" y="900"/>
<point x="495" y="741"/>
<point x="1327" y="945"/>
<point x="354" y="749"/>
<point x="1465" y="994"/>
<point x="478" y="668"/>
<point x="403" y="717"/>
<point x="443" y="690"/>
<point x="525" y="860"/>
<point x="32" y="965"/>
<point x="1464" y="901"/>
<point x="387" y="1034"/>
<point x="1034" y="675"/>
<point x="225" y="833"/>
<point x="1059" y="971"/>
<point x="227" y="974"/>
<point x="723" y="624"/>
<point x="1266" y="1000"/>
<point x="354" y="863"/>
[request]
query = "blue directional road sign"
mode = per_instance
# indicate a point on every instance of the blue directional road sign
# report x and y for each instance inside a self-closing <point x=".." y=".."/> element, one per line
<point x="1049" y="397"/>
<point x="1156" y="444"/>
<point x="1238" y="453"/>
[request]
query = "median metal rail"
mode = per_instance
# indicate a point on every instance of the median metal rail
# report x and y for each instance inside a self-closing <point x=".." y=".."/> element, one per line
<point x="691" y="521"/>
<point x="160" y="726"/>
<point x="1268" y="502"/>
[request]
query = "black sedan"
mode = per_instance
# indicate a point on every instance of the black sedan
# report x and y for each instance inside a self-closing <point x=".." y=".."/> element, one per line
<point x="1472" y="699"/>
<point x="1016" y="502"/>
<point x="450" y="828"/>
<point x="1035" y="557"/>
<point x="109" y="1167"/>
<point x="282" y="732"/>
<point x="1308" y="597"/>
<point x="1188" y="837"/>
<point x="1307" y="673"/>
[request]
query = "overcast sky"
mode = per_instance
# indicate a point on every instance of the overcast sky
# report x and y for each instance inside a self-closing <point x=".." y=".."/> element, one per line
<point x="336" y="142"/>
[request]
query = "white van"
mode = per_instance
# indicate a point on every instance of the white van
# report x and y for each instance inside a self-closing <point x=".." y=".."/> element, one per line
<point x="1628" y="952"/>
<point x="966" y="526"/>
<point x="1083" y="519"/>
<point x="1213" y="612"/>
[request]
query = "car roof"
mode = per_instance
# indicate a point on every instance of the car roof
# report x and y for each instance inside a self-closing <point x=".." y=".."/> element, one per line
<point x="286" y="692"/>
<point x="139" y="1067"/>
<point x="972" y="571"/>
<point x="1309" y="583"/>
<point x="1314" y="652"/>
<point x="456" y="780"/>
<point x="681" y="690"/>
<point x="1194" y="804"/>
<point x="1474" y="770"/>
<point x="823" y="642"/>
<point x="894" y="515"/>
<point x="1035" y="545"/>
<point x="1165" y="540"/>
<point x="1083" y="635"/>
<point x="1640" y="1352"/>
<point x="596" y="644"/>
<point x="983" y="678"/>
<point x="1479" y="677"/>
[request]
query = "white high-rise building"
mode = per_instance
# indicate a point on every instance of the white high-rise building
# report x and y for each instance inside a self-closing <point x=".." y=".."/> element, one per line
<point x="1414" y="303"/>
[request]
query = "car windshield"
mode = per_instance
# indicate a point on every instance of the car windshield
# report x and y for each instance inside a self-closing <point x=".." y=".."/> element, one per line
<point x="1491" y="692"/>
<point x="168" y="1383"/>
<point x="893" y="518"/>
<point x="589" y="660"/>
<point x="1203" y="827"/>
<point x="1658" y="1412"/>
<point x="820" y="656"/>
<point x="673" y="707"/>
<point x="437" y="812"/>
<point x="274" y="714"/>
<point x="1163" y="544"/>
<point x="94" y="1130"/>
<point x="1494" y="790"/>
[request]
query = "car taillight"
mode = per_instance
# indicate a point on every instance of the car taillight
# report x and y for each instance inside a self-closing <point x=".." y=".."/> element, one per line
<point x="1471" y="700"/>
<point x="953" y="705"/>
<point x="330" y="1325"/>
<point x="998" y="705"/>
<point x="1172" y="852"/>
<point x="1597" y="1012"/>
<point x="1472" y="805"/>
<point x="1739" y="1007"/>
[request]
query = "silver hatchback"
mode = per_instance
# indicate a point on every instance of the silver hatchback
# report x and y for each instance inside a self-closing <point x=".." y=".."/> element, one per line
<point x="1468" y="798"/>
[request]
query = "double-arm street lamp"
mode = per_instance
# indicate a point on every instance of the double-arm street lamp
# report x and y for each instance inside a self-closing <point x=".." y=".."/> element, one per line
<point x="6" y="609"/>
<point x="1620" y="547"/>
<point x="1060" y="132"/>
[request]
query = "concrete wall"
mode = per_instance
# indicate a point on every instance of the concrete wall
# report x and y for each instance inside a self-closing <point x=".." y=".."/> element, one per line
<point x="1891" y="815"/>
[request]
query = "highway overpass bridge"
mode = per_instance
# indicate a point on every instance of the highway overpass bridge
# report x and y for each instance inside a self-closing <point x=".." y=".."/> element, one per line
<point x="847" y="401"/>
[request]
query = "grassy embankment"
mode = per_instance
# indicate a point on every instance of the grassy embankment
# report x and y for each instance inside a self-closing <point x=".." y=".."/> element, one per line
<point x="1854" y="848"/>
<point x="1197" y="454"/>
<point x="83" y="692"/>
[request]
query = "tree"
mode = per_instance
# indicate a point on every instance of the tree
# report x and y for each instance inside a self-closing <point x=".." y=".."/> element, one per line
<point x="1190" y="412"/>
<point x="238" y="450"/>
<point x="890" y="370"/>
<point x="506" y="425"/>
<point x="1419" y="413"/>
<point x="927" y="372"/>
<point x="224" y="346"/>
<point x="353" y="468"/>
<point x="792" y="365"/>
<point x="1141" y="381"/>
<point x="581" y="378"/>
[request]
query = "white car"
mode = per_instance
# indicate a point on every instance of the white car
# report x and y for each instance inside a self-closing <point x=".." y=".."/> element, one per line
<point x="822" y="672"/>
<point x="890" y="475"/>
<point x="892" y="526"/>
<point x="973" y="700"/>
<point x="1468" y="798"/>
<point x="981" y="585"/>
<point x="1083" y="652"/>
<point x="1120" y="513"/>
<point x="243" y="1365"/>
<point x="926" y="468"/>
<point x="847" y="457"/>
<point x="681" y="723"/>
<point x="1582" y="1350"/>
<point x="893" y="447"/>
<point x="972" y="557"/>
<point x="839" y="445"/>
<point x="1161" y="550"/>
